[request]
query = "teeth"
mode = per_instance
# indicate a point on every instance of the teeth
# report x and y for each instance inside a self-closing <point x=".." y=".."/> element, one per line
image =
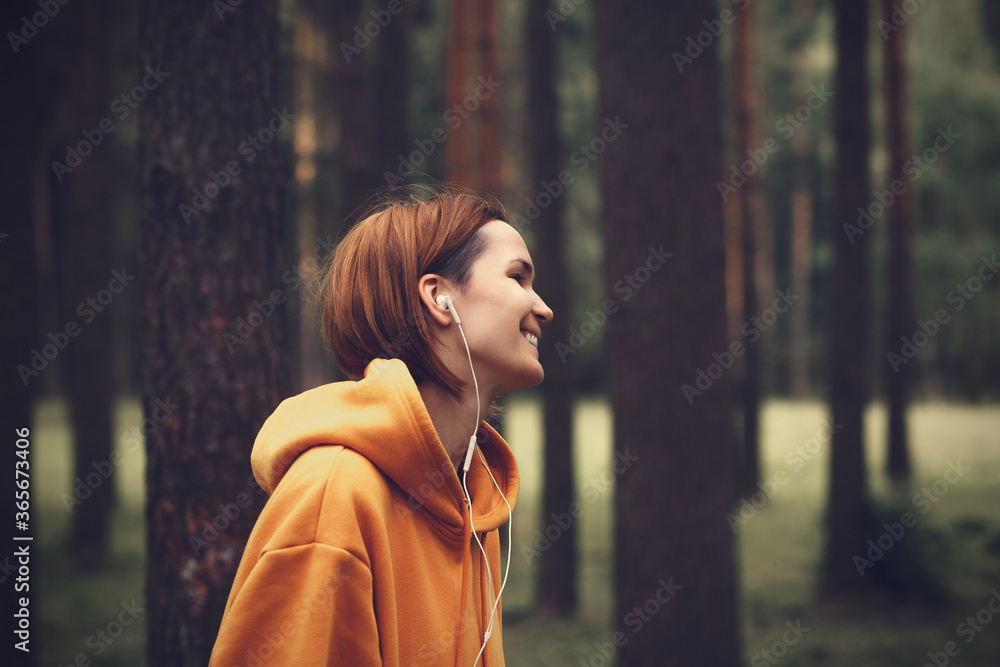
<point x="531" y="339"/>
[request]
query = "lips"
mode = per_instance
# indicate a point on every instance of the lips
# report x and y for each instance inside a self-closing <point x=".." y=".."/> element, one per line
<point x="531" y="338"/>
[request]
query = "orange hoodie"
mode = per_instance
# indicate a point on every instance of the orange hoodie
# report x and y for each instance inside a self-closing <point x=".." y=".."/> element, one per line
<point x="364" y="555"/>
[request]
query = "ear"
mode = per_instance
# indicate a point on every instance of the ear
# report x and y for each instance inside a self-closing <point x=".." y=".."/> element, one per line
<point x="429" y="287"/>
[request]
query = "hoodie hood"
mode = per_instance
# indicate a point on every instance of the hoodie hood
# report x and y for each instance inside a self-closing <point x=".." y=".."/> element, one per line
<point x="383" y="418"/>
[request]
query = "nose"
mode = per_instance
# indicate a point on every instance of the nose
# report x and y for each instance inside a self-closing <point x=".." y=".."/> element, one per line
<point x="540" y="310"/>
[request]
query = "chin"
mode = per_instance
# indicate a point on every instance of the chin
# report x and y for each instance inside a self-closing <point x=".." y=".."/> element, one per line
<point x="527" y="378"/>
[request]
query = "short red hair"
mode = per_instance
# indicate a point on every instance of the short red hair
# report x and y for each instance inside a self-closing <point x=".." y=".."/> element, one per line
<point x="370" y="303"/>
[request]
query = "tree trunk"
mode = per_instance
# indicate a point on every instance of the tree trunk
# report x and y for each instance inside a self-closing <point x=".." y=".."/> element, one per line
<point x="801" y="251"/>
<point x="392" y="92"/>
<point x="899" y="309"/>
<point x="210" y="165"/>
<point x="746" y="111"/>
<point x="458" y="168"/>
<point x="557" y="574"/>
<point x="848" y="342"/>
<point x="360" y="176"/>
<point x="490" y="160"/>
<point x="86" y="267"/>
<point x="676" y="460"/>
<point x="801" y="206"/>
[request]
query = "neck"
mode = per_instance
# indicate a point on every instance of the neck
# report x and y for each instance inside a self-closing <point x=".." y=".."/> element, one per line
<point x="453" y="419"/>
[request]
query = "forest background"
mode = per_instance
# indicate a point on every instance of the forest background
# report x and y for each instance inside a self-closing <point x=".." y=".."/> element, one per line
<point x="359" y="96"/>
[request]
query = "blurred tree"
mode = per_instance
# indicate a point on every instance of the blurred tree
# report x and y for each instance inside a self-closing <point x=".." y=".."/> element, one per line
<point x="391" y="83"/>
<point x="316" y="182"/>
<point x="899" y="300"/>
<point x="848" y="333"/>
<point x="750" y="205"/>
<point x="557" y="575"/>
<point x="360" y="174"/>
<point x="991" y="20"/>
<point x="660" y="152"/>
<point x="802" y="203"/>
<point x="86" y="263"/>
<point x="489" y="50"/>
<point x="460" y="19"/>
<point x="19" y="328"/>
<point x="472" y="151"/>
<point x="210" y="155"/>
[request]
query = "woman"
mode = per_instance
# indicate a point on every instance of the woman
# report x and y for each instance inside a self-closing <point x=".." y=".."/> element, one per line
<point x="367" y="552"/>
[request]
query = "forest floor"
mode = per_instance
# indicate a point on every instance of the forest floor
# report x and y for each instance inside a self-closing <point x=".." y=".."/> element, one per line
<point x="920" y="610"/>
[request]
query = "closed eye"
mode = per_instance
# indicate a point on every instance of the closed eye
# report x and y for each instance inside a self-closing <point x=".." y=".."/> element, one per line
<point x="519" y="278"/>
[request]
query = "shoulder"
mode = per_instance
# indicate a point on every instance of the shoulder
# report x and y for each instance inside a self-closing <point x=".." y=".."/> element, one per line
<point x="330" y="495"/>
<point x="339" y="469"/>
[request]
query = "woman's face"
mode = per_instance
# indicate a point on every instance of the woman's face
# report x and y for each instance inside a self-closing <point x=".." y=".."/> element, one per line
<point x="501" y="314"/>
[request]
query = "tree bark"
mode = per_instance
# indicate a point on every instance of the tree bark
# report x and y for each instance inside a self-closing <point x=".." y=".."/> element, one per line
<point x="558" y="565"/>
<point x="899" y="309"/>
<point x="214" y="327"/>
<point x="677" y="459"/>
<point x="850" y="304"/>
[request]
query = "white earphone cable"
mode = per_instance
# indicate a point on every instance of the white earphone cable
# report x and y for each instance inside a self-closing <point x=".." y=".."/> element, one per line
<point x="468" y="496"/>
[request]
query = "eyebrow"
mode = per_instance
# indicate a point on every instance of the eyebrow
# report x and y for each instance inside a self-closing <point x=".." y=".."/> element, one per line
<point x="526" y="265"/>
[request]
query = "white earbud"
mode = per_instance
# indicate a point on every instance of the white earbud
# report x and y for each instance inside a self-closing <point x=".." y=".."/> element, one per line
<point x="444" y="301"/>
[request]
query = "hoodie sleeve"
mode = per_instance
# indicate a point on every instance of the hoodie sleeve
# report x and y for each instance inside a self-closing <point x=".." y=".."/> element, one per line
<point x="303" y="605"/>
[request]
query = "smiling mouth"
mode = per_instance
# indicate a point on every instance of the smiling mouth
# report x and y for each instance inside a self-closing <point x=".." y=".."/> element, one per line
<point x="533" y="339"/>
